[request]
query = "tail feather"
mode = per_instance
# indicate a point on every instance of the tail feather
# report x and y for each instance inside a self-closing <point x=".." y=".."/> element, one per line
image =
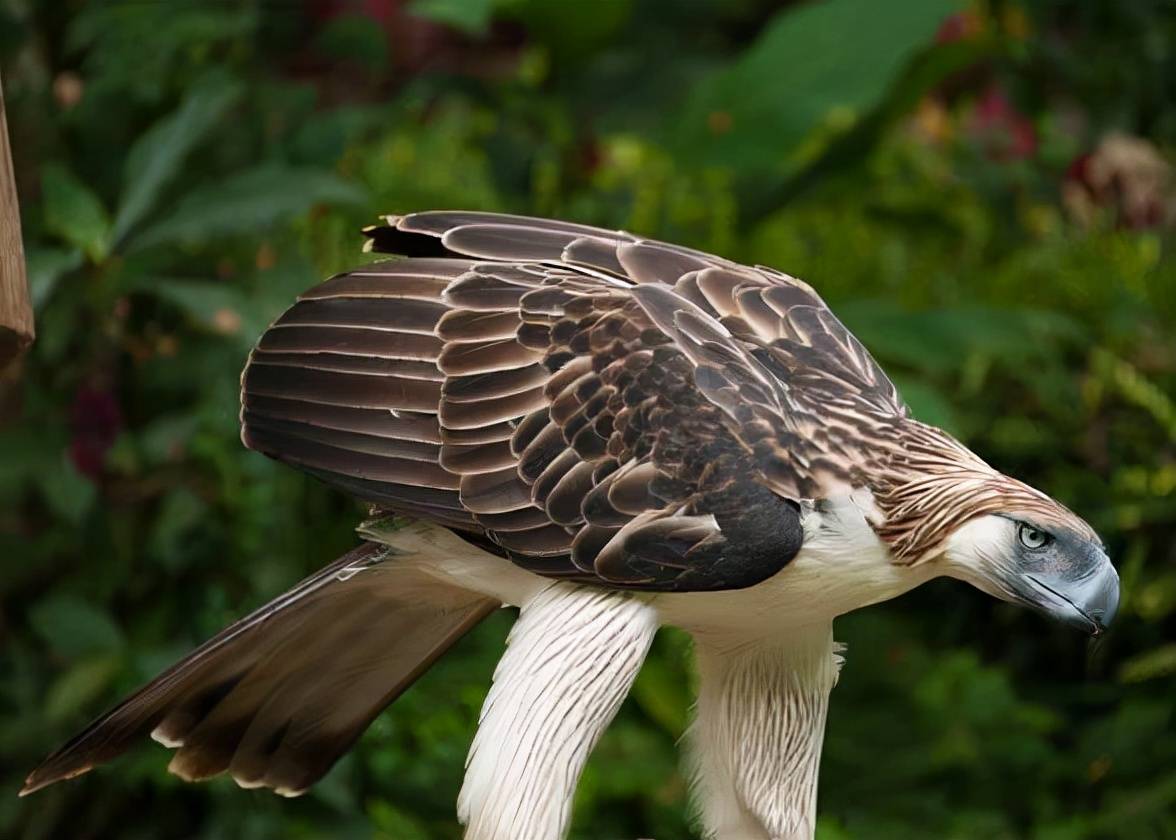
<point x="276" y="698"/>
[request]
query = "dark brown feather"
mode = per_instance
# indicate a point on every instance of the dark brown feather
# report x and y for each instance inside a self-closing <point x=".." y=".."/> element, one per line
<point x="462" y="359"/>
<point x="510" y="243"/>
<point x="355" y="341"/>
<point x="475" y="325"/>
<point x="349" y="460"/>
<point x="351" y="363"/>
<point x="495" y="492"/>
<point x="479" y="434"/>
<point x="373" y="283"/>
<point x="403" y="315"/>
<point x="564" y="500"/>
<point x="378" y="445"/>
<point x="476" y="458"/>
<point x="344" y="389"/>
<point x="481" y="386"/>
<point x="477" y="413"/>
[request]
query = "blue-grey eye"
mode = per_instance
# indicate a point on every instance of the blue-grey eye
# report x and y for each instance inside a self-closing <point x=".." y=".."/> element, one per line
<point x="1031" y="537"/>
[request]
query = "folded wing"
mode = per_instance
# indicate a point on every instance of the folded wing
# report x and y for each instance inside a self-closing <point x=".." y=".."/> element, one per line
<point x="591" y="405"/>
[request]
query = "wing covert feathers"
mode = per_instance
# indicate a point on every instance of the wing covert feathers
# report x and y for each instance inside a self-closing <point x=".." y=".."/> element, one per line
<point x="595" y="405"/>
<point x="276" y="698"/>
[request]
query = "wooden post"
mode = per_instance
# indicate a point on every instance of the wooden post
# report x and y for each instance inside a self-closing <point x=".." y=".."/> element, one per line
<point x="16" y="312"/>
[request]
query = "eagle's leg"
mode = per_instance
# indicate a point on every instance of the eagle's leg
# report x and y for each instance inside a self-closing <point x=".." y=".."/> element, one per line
<point x="756" y="740"/>
<point x="570" y="660"/>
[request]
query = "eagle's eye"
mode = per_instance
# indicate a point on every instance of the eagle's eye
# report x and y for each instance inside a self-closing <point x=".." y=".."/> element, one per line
<point x="1032" y="538"/>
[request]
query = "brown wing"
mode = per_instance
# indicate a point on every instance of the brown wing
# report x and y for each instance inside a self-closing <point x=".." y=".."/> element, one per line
<point x="591" y="405"/>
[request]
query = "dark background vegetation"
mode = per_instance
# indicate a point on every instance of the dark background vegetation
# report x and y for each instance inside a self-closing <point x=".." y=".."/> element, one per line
<point x="982" y="191"/>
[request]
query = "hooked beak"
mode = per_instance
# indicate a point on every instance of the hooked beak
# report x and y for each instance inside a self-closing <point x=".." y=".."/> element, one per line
<point x="1086" y="598"/>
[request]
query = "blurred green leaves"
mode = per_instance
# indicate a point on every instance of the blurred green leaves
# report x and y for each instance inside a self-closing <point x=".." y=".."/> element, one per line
<point x="1150" y="665"/>
<point x="1136" y="388"/>
<point x="144" y="49"/>
<point x="246" y="203"/>
<point x="819" y="64"/>
<point x="75" y="213"/>
<point x="156" y="157"/>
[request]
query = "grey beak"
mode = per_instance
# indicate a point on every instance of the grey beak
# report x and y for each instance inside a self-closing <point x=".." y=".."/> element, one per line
<point x="1087" y="600"/>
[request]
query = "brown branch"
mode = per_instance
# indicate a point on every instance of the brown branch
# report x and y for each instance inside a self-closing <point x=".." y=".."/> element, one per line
<point x="16" y="313"/>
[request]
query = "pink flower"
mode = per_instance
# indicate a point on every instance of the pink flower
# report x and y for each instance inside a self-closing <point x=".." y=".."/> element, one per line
<point x="1003" y="132"/>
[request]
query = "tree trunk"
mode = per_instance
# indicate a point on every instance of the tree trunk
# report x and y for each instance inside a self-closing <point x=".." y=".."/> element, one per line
<point x="16" y="313"/>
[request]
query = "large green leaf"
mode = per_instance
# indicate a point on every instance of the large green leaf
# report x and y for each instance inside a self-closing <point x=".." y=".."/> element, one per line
<point x="843" y="155"/>
<point x="247" y="203"/>
<point x="810" y="62"/>
<point x="156" y="157"/>
<point x="74" y="212"/>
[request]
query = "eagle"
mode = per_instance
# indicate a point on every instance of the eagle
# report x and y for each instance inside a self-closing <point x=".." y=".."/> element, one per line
<point x="611" y="434"/>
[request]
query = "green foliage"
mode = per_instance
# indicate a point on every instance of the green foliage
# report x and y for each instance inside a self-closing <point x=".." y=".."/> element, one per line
<point x="155" y="158"/>
<point x="186" y="169"/>
<point x="816" y="64"/>
<point x="74" y="213"/>
<point x="472" y="16"/>
<point x="245" y="203"/>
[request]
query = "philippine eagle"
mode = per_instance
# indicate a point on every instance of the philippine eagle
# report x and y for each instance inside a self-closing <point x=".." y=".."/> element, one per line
<point x="611" y="434"/>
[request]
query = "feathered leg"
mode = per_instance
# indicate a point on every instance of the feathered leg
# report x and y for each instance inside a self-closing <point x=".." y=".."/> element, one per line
<point x="570" y="660"/>
<point x="756" y="740"/>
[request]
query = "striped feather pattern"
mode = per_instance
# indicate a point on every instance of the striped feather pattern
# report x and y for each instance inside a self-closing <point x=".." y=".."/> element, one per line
<point x="598" y="406"/>
<point x="277" y="697"/>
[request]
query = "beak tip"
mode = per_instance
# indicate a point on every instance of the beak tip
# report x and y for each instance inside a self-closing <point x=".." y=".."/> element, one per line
<point x="1102" y="617"/>
<point x="1104" y="613"/>
<point x="1089" y="603"/>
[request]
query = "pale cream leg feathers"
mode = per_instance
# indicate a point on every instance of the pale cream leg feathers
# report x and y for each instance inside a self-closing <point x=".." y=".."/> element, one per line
<point x="570" y="660"/>
<point x="756" y="740"/>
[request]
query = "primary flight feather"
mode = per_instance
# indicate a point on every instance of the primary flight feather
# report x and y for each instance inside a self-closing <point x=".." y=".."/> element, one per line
<point x="612" y="434"/>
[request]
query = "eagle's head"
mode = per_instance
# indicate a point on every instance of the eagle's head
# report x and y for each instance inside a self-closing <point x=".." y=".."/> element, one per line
<point x="1040" y="555"/>
<point x="1006" y="538"/>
